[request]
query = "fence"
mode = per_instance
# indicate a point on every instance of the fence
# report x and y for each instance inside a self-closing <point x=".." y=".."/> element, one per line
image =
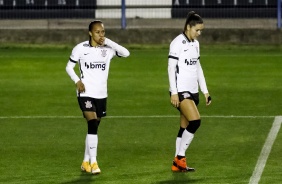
<point x="140" y="9"/>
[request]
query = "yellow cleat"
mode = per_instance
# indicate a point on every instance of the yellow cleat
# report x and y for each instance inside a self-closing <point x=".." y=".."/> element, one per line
<point x="85" y="166"/>
<point x="95" y="169"/>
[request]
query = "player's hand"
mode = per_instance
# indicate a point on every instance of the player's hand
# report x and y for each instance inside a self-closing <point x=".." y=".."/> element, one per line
<point x="80" y="87"/>
<point x="208" y="99"/>
<point x="174" y="100"/>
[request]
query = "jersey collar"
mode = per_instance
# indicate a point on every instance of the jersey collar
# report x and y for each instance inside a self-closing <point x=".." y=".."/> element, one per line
<point x="90" y="43"/>
<point x="187" y="37"/>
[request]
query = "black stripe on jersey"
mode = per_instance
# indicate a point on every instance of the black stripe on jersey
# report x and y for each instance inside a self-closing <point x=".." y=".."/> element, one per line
<point x="173" y="57"/>
<point x="73" y="61"/>
<point x="117" y="54"/>
<point x="81" y="72"/>
<point x="187" y="37"/>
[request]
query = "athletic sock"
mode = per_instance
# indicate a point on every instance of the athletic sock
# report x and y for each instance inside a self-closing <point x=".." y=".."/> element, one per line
<point x="92" y="144"/>
<point x="178" y="140"/>
<point x="186" y="140"/>
<point x="86" y="152"/>
<point x="177" y="145"/>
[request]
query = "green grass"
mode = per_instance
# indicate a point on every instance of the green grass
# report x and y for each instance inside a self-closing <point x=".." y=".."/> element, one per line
<point x="40" y="144"/>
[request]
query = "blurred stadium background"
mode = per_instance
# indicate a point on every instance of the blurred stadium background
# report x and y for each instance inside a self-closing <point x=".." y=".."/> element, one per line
<point x="230" y="15"/>
<point x="42" y="132"/>
<point x="262" y="12"/>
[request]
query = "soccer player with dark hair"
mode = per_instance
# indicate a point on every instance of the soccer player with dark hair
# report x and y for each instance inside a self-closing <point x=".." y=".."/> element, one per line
<point x="185" y="76"/>
<point x="93" y="57"/>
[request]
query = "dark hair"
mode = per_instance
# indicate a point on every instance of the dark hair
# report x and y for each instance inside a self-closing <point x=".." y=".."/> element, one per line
<point x="193" y="19"/>
<point x="91" y="25"/>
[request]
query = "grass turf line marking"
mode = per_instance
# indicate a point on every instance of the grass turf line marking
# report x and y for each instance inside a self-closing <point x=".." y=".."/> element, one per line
<point x="266" y="150"/>
<point x="112" y="117"/>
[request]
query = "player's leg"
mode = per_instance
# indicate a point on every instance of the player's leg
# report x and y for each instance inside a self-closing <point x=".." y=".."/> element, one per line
<point x="88" y="108"/>
<point x="93" y="124"/>
<point x="92" y="139"/>
<point x="183" y="124"/>
<point x="85" y="166"/>
<point x="190" y="112"/>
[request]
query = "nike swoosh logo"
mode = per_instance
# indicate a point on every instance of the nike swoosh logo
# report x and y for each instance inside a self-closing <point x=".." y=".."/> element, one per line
<point x="86" y="54"/>
<point x="185" y="50"/>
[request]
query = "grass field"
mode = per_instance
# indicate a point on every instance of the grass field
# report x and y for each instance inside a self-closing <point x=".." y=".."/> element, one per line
<point x="42" y="131"/>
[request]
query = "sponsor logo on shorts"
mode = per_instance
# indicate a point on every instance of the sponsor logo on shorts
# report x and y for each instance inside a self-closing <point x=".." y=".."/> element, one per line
<point x="88" y="104"/>
<point x="186" y="95"/>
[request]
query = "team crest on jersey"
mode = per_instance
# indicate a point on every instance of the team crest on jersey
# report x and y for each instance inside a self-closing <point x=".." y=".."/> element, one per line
<point x="104" y="53"/>
<point x="88" y="104"/>
<point x="186" y="95"/>
<point x="183" y="41"/>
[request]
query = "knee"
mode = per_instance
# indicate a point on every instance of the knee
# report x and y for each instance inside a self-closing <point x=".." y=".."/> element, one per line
<point x="180" y="132"/>
<point x="193" y="126"/>
<point x="93" y="126"/>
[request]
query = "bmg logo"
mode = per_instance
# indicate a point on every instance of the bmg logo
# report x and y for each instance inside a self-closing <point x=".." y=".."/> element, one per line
<point x="191" y="62"/>
<point x="93" y="65"/>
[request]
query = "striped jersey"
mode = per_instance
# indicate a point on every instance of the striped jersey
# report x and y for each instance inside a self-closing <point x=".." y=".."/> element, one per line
<point x="94" y="64"/>
<point x="184" y="68"/>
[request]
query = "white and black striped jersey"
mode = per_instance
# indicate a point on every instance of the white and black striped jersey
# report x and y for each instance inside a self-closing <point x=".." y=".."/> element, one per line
<point x="184" y="68"/>
<point x="94" y="64"/>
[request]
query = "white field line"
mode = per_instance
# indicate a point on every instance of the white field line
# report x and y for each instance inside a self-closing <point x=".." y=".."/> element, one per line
<point x="255" y="178"/>
<point x="113" y="117"/>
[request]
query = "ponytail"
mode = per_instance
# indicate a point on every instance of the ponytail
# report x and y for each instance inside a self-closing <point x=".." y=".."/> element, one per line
<point x="192" y="19"/>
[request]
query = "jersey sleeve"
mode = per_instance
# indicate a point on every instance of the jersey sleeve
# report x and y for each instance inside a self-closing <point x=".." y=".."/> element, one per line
<point x="75" y="54"/>
<point x="173" y="57"/>
<point x="120" y="50"/>
<point x="70" y="71"/>
<point x="201" y="79"/>
<point x="74" y="58"/>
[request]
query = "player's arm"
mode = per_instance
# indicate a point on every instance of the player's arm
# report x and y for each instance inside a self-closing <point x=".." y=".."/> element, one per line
<point x="70" y="71"/>
<point x="121" y="51"/>
<point x="202" y="83"/>
<point x="172" y="69"/>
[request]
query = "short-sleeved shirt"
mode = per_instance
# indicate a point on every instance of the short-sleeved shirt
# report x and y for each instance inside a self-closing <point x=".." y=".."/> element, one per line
<point x="187" y="55"/>
<point x="94" y="64"/>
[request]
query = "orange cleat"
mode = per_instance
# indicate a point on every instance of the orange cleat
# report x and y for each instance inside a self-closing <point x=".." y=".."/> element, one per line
<point x="181" y="163"/>
<point x="183" y="168"/>
<point x="174" y="167"/>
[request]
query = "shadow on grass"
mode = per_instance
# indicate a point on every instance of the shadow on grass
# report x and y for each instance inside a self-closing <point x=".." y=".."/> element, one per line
<point x="85" y="178"/>
<point x="180" y="178"/>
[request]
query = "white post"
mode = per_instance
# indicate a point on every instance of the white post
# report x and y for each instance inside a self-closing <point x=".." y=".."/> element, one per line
<point x="176" y="2"/>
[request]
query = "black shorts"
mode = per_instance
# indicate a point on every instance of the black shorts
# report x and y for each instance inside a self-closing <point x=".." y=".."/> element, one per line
<point x="93" y="104"/>
<point x="188" y="95"/>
